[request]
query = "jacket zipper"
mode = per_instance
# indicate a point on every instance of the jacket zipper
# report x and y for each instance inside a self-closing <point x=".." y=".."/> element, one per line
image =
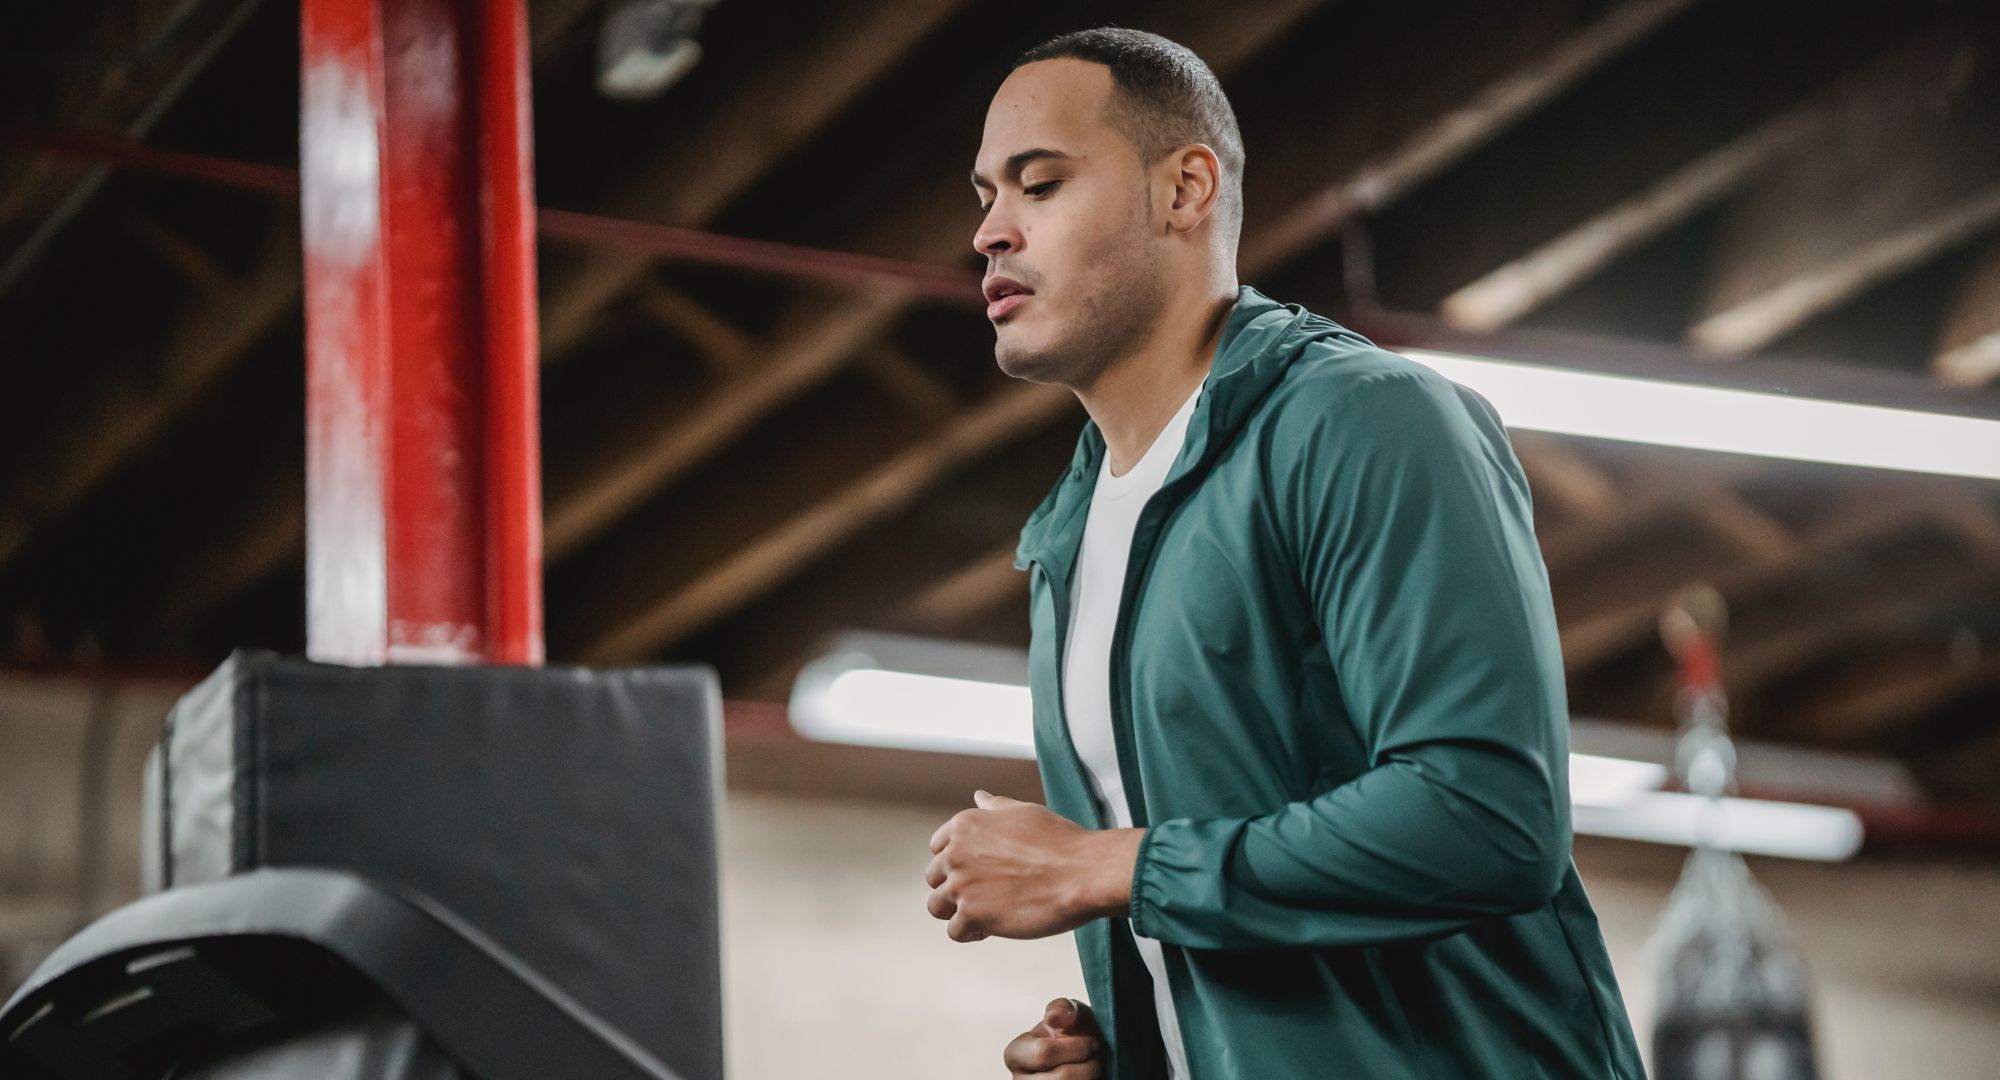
<point x="1137" y="571"/>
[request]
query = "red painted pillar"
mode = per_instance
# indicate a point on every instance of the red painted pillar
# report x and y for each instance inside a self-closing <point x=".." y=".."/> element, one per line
<point x="422" y="471"/>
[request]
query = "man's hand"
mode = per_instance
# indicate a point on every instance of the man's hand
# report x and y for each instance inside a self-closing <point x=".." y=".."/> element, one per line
<point x="1066" y="1045"/>
<point x="1015" y="869"/>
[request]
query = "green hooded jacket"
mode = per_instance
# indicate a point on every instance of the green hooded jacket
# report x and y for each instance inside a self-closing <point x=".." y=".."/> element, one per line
<point x="1338" y="701"/>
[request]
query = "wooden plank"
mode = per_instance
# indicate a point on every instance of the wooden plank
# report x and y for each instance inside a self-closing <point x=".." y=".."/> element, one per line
<point x="723" y="345"/>
<point x="909" y="381"/>
<point x="1969" y="345"/>
<point x="791" y="95"/>
<point x="42" y="194"/>
<point x="1886" y="702"/>
<point x="214" y="330"/>
<point x="1754" y="668"/>
<point x="1862" y="527"/>
<point x="1536" y="71"/>
<point x="1622" y="575"/>
<point x="1909" y="169"/>
<point x="1008" y="415"/>
<point x="1566" y="485"/>
<point x="965" y="593"/>
<point x="822" y="335"/>
<point x="1637" y="150"/>
<point x="933" y="227"/>
<point x="1513" y="290"/>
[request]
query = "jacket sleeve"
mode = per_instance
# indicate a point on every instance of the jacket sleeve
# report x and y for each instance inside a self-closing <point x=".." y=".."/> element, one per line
<point x="1411" y="529"/>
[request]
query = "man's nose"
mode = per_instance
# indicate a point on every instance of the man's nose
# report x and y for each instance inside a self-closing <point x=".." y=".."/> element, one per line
<point x="995" y="235"/>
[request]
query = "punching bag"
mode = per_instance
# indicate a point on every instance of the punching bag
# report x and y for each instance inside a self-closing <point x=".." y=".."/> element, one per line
<point x="1734" y="1001"/>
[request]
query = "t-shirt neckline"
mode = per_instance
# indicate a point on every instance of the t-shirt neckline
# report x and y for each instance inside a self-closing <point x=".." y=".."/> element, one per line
<point x="1157" y="459"/>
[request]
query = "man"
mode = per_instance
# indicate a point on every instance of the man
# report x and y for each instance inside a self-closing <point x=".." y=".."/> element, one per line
<point x="1299" y="707"/>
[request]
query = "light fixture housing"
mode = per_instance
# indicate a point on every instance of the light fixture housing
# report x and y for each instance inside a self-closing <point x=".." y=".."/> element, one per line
<point x="916" y="693"/>
<point x="645" y="46"/>
<point x="1627" y="408"/>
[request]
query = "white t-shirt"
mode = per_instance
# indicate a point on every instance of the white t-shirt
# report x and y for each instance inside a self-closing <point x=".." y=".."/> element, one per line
<point x="1095" y="595"/>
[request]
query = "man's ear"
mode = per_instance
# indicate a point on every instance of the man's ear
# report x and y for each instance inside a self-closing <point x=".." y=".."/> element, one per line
<point x="1197" y="184"/>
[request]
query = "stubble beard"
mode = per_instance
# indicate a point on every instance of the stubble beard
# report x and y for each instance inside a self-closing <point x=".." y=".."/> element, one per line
<point x="1113" y="320"/>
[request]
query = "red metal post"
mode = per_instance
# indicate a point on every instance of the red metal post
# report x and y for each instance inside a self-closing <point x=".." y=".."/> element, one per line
<point x="513" y="366"/>
<point x="423" y="492"/>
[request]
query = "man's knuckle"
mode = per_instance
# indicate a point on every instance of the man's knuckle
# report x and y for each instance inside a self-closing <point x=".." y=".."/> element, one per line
<point x="1034" y="1055"/>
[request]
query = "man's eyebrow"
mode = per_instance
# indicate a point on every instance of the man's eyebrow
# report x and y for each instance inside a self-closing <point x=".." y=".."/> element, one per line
<point x="1020" y="161"/>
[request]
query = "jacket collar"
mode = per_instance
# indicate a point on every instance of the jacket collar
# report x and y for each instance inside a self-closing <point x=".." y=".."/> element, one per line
<point x="1259" y="341"/>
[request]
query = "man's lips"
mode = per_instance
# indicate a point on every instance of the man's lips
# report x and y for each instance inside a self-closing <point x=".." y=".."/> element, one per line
<point x="1004" y="294"/>
<point x="1001" y="307"/>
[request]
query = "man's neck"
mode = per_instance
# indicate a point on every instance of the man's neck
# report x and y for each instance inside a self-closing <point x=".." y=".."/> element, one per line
<point x="1133" y="399"/>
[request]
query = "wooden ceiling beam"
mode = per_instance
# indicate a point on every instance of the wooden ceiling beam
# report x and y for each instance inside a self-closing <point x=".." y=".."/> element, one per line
<point x="731" y="351"/>
<point x="1969" y="346"/>
<point x="771" y="559"/>
<point x="1466" y="100"/>
<point x="1643" y="508"/>
<point x="936" y="226"/>
<point x="944" y="607"/>
<point x="190" y="260"/>
<point x="1908" y="170"/>
<point x="1864" y="525"/>
<point x="1605" y="590"/>
<point x="907" y="379"/>
<point x="43" y="193"/>
<point x="1641" y="149"/>
<point x="1566" y="485"/>
<point x="1515" y="289"/>
<point x="1752" y="669"/>
<point x="1885" y="703"/>
<point x="654" y="458"/>
<point x="822" y="335"/>
<point x="966" y="593"/>
<point x="212" y="331"/>
<point x="791" y="95"/>
<point x="724" y="347"/>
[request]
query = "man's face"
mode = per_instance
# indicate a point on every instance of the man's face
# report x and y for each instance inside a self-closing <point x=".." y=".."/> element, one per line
<point x="1069" y="219"/>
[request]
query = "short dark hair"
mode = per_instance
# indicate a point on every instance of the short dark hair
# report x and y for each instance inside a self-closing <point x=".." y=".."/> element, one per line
<point x="1165" y="97"/>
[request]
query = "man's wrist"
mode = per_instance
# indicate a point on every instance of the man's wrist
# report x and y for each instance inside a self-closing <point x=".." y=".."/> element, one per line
<point x="1109" y="858"/>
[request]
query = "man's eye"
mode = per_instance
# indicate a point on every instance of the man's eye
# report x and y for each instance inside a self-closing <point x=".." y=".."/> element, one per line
<point x="1040" y="190"/>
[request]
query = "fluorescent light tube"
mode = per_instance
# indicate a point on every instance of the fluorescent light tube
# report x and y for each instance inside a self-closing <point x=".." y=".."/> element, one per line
<point x="873" y="707"/>
<point x="1611" y="782"/>
<point x="845" y="699"/>
<point x="920" y="712"/>
<point x="1756" y="826"/>
<point x="1660" y="413"/>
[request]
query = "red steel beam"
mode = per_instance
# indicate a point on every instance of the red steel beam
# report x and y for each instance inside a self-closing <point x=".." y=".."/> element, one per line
<point x="422" y="484"/>
<point x="513" y="480"/>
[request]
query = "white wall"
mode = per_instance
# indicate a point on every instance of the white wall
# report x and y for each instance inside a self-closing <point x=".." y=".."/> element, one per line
<point x="834" y="969"/>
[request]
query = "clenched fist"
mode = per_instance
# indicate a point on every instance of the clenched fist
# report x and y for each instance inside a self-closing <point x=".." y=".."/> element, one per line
<point x="1066" y="1045"/>
<point x="1013" y="869"/>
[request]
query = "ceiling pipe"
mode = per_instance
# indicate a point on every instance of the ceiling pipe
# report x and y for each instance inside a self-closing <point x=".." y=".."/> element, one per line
<point x="945" y="284"/>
